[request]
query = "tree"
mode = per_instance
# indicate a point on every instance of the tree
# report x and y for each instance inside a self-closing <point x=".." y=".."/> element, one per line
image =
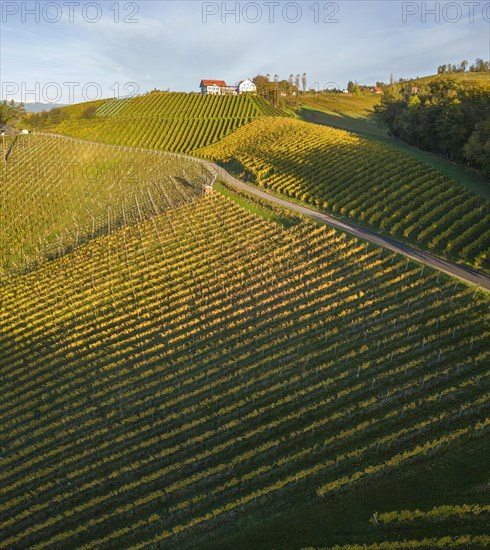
<point x="477" y="149"/>
<point x="10" y="112"/>
<point x="480" y="65"/>
<point x="296" y="81"/>
<point x="262" y="83"/>
<point x="444" y="117"/>
<point x="304" y="82"/>
<point x="353" y="88"/>
<point x="89" y="111"/>
<point x="463" y="65"/>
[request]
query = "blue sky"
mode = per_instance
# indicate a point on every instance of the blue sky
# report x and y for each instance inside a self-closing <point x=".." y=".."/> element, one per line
<point x="51" y="50"/>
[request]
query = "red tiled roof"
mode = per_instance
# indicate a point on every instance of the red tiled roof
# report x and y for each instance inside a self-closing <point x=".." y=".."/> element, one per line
<point x="220" y="83"/>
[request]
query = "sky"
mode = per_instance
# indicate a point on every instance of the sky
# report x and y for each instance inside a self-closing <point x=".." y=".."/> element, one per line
<point x="71" y="51"/>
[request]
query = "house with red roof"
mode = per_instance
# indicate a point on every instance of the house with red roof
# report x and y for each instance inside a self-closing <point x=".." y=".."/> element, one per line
<point x="219" y="87"/>
<point x="214" y="87"/>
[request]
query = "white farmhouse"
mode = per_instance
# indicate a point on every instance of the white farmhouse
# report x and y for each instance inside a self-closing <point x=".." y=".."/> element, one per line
<point x="246" y="87"/>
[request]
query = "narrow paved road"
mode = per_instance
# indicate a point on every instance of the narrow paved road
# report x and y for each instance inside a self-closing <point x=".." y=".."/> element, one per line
<point x="464" y="273"/>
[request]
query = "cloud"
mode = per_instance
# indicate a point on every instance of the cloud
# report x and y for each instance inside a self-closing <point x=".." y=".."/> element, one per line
<point x="170" y="45"/>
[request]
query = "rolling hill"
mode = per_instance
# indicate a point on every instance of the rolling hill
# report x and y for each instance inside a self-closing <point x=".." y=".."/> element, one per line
<point x="362" y="180"/>
<point x="467" y="78"/>
<point x="192" y="370"/>
<point x="171" y="379"/>
<point x="176" y="122"/>
<point x="350" y="105"/>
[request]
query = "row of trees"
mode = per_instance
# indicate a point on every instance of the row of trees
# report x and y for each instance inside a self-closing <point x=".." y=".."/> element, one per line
<point x="292" y="85"/>
<point x="479" y="66"/>
<point x="10" y="112"/>
<point x="444" y="116"/>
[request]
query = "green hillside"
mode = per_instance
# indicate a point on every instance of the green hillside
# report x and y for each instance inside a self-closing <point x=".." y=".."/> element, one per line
<point x="351" y="105"/>
<point x="186" y="372"/>
<point x="357" y="109"/>
<point x="468" y="78"/>
<point x="56" y="193"/>
<point x="362" y="180"/>
<point x="176" y="122"/>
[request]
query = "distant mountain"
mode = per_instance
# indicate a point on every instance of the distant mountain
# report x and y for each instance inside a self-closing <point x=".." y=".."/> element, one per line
<point x="38" y="107"/>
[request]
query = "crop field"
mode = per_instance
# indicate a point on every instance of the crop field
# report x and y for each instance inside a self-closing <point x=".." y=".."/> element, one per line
<point x="351" y="105"/>
<point x="176" y="122"/>
<point x="56" y="192"/>
<point x="189" y="369"/>
<point x="364" y="181"/>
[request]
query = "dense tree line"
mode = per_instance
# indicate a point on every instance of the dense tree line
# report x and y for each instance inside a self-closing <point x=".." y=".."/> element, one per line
<point x="444" y="116"/>
<point x="478" y="66"/>
<point x="47" y="118"/>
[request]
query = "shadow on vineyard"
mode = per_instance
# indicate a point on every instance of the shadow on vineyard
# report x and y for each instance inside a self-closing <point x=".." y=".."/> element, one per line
<point x="244" y="291"/>
<point x="179" y="376"/>
<point x="443" y="484"/>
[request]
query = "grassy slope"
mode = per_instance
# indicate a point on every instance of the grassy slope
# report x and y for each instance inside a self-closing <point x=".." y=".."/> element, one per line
<point x="362" y="180"/>
<point x="176" y="122"/>
<point x="56" y="192"/>
<point x="183" y="373"/>
<point x="351" y="105"/>
<point x="260" y="208"/>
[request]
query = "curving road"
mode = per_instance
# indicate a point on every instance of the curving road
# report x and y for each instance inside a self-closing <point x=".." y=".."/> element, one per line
<point x="466" y="274"/>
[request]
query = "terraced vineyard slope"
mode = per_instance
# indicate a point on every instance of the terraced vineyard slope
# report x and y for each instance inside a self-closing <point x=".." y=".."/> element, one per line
<point x="56" y="193"/>
<point x="365" y="181"/>
<point x="177" y="122"/>
<point x="186" y="370"/>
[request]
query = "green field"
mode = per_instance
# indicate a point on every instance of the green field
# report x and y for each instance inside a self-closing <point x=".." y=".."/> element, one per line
<point x="56" y="193"/>
<point x="362" y="180"/>
<point x="351" y="105"/>
<point x="176" y="122"/>
<point x="175" y="378"/>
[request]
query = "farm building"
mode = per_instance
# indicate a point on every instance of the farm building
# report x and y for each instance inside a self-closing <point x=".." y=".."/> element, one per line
<point x="246" y="87"/>
<point x="212" y="87"/>
<point x="376" y="90"/>
<point x="219" y="87"/>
